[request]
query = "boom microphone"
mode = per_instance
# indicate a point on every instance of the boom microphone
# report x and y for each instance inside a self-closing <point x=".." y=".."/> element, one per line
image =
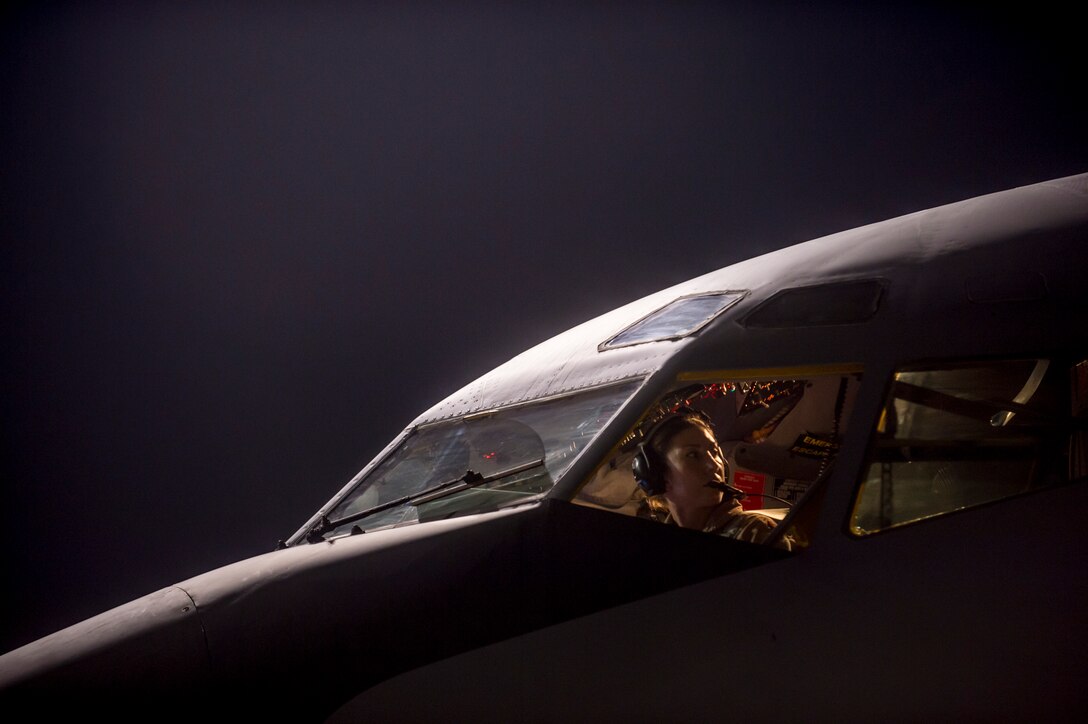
<point x="727" y="488"/>
<point x="738" y="493"/>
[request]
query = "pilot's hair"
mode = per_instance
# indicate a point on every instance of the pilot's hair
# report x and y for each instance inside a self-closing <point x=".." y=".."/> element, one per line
<point x="649" y="464"/>
<point x="671" y="426"/>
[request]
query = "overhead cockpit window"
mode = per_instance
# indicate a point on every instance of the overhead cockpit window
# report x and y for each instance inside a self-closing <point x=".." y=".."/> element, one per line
<point x="677" y="319"/>
<point x="481" y="462"/>
<point x="850" y="302"/>
<point x="963" y="435"/>
<point x="758" y="448"/>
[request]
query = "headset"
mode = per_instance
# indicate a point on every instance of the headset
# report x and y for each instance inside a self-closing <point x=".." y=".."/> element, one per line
<point x="647" y="465"/>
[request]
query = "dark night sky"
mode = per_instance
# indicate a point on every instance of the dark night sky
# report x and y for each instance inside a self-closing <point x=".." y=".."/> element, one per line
<point x="244" y="244"/>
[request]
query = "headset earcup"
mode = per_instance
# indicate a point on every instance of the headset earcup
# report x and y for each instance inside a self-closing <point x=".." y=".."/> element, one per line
<point x="646" y="473"/>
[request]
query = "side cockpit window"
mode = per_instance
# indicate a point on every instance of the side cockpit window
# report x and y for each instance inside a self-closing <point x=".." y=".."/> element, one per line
<point x="957" y="436"/>
<point x="730" y="455"/>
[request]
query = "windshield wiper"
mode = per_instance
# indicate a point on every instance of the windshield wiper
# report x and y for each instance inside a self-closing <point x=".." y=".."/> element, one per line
<point x="470" y="479"/>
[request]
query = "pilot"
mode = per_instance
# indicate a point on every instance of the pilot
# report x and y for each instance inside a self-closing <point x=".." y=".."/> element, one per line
<point x="681" y="468"/>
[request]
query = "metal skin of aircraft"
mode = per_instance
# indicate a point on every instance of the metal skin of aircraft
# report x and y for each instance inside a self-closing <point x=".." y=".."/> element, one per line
<point x="914" y="392"/>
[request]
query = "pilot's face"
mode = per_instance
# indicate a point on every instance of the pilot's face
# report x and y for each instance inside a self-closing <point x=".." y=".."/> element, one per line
<point x="692" y="459"/>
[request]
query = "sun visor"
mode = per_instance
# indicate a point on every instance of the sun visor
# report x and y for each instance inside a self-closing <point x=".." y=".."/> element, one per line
<point x="678" y="319"/>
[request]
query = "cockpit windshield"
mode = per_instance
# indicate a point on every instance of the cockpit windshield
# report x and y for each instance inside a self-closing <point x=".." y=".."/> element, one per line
<point x="477" y="463"/>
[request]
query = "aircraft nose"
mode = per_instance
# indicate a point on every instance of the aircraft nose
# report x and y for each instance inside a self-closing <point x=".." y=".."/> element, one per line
<point x="113" y="652"/>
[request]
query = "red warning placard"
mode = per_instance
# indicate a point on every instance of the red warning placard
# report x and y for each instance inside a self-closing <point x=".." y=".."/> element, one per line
<point x="750" y="482"/>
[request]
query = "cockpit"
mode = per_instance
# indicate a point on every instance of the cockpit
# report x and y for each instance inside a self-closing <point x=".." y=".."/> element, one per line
<point x="949" y="437"/>
<point x="779" y="433"/>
